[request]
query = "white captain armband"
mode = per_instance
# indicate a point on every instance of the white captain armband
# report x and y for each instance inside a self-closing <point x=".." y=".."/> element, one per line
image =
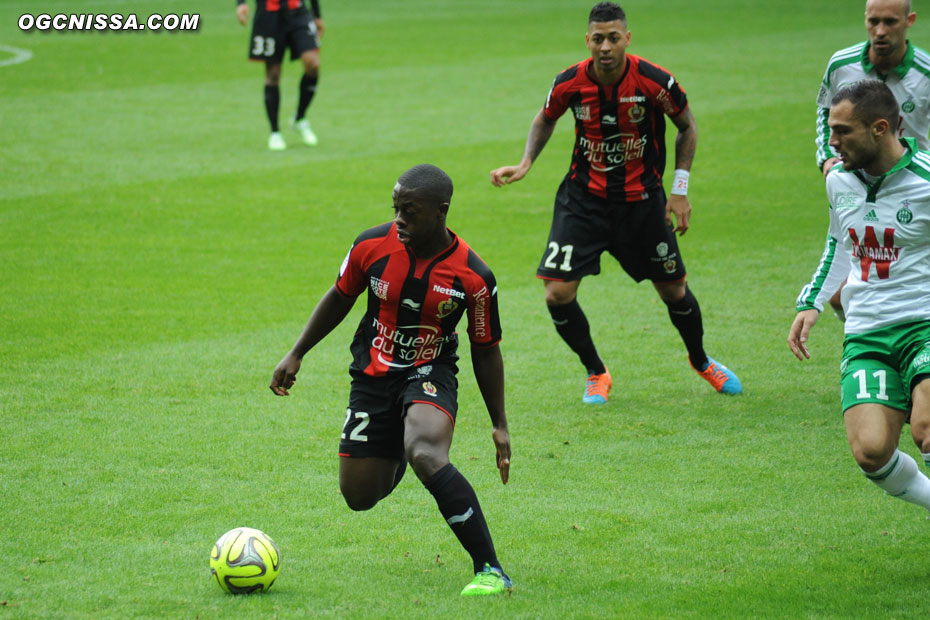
<point x="680" y="183"/>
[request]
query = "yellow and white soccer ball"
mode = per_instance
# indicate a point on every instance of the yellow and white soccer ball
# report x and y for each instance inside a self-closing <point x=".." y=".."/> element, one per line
<point x="245" y="560"/>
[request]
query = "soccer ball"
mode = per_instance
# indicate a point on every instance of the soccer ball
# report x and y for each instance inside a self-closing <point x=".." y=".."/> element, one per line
<point x="245" y="560"/>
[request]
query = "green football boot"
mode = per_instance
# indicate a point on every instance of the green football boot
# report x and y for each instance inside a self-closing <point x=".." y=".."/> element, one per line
<point x="306" y="133"/>
<point x="276" y="141"/>
<point x="489" y="582"/>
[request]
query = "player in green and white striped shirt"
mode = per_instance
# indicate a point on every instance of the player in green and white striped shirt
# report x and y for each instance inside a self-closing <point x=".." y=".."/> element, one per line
<point x="879" y="243"/>
<point x="887" y="56"/>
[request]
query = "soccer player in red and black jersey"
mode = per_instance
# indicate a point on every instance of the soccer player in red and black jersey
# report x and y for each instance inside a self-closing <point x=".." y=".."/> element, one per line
<point x="612" y="197"/>
<point x="421" y="279"/>
<point x="279" y="25"/>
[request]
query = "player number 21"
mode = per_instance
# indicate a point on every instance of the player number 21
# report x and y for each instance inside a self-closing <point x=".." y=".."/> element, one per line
<point x="554" y="250"/>
<point x="863" y="388"/>
<point x="263" y="46"/>
<point x="356" y="434"/>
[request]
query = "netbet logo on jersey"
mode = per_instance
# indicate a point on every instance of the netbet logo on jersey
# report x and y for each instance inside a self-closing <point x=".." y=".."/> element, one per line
<point x="449" y="291"/>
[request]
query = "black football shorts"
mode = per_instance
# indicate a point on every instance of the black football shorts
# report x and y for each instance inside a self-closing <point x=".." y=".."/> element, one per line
<point x="635" y="233"/>
<point x="275" y="31"/>
<point x="374" y="423"/>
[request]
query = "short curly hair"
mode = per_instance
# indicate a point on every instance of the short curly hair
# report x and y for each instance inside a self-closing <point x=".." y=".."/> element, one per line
<point x="607" y="12"/>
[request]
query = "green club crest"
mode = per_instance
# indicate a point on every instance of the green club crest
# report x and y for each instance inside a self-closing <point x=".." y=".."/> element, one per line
<point x="907" y="107"/>
<point x="904" y="215"/>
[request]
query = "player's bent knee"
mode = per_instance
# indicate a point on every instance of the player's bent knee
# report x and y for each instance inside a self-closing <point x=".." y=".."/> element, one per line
<point x="311" y="62"/>
<point x="360" y="506"/>
<point x="560" y="293"/>
<point x="360" y="495"/>
<point x="557" y="296"/>
<point x="425" y="461"/>
<point x="920" y="433"/>
<point x="427" y="437"/>
<point x="872" y="455"/>
<point x="671" y="292"/>
<point x="273" y="75"/>
<point x="359" y="501"/>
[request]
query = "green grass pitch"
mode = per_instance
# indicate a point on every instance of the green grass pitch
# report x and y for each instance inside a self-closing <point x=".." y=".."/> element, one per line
<point x="157" y="262"/>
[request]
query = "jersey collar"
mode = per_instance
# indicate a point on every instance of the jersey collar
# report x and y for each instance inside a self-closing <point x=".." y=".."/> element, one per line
<point x="910" y="148"/>
<point x="901" y="70"/>
<point x="592" y="76"/>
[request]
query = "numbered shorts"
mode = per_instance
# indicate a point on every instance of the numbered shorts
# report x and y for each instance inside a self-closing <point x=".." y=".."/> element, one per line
<point x="275" y="31"/>
<point x="374" y="423"/>
<point x="635" y="233"/>
<point x="884" y="365"/>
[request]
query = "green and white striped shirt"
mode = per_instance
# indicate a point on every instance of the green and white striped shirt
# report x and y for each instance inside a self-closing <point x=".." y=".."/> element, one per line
<point x="909" y="81"/>
<point x="879" y="243"/>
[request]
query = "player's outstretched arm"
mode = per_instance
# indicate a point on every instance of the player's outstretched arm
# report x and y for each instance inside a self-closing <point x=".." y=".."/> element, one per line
<point x="329" y="312"/>
<point x="800" y="331"/>
<point x="488" y="365"/>
<point x="540" y="131"/>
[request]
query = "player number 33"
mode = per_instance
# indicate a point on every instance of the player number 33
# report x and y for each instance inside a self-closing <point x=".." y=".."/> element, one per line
<point x="263" y="46"/>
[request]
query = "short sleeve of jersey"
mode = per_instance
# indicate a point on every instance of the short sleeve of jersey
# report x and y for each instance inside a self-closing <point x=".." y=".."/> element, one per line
<point x="662" y="87"/>
<point x="352" y="280"/>
<point x="557" y="101"/>
<point x="484" y="325"/>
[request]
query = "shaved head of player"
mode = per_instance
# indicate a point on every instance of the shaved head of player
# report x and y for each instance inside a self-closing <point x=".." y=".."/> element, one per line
<point x="887" y="22"/>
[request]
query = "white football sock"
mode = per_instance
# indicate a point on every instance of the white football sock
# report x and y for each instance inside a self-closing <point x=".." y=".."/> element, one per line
<point x="901" y="478"/>
<point x="926" y="456"/>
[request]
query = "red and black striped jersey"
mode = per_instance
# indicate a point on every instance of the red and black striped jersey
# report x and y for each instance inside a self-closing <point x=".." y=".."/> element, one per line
<point x="274" y="6"/>
<point x="620" y="128"/>
<point x="415" y="303"/>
